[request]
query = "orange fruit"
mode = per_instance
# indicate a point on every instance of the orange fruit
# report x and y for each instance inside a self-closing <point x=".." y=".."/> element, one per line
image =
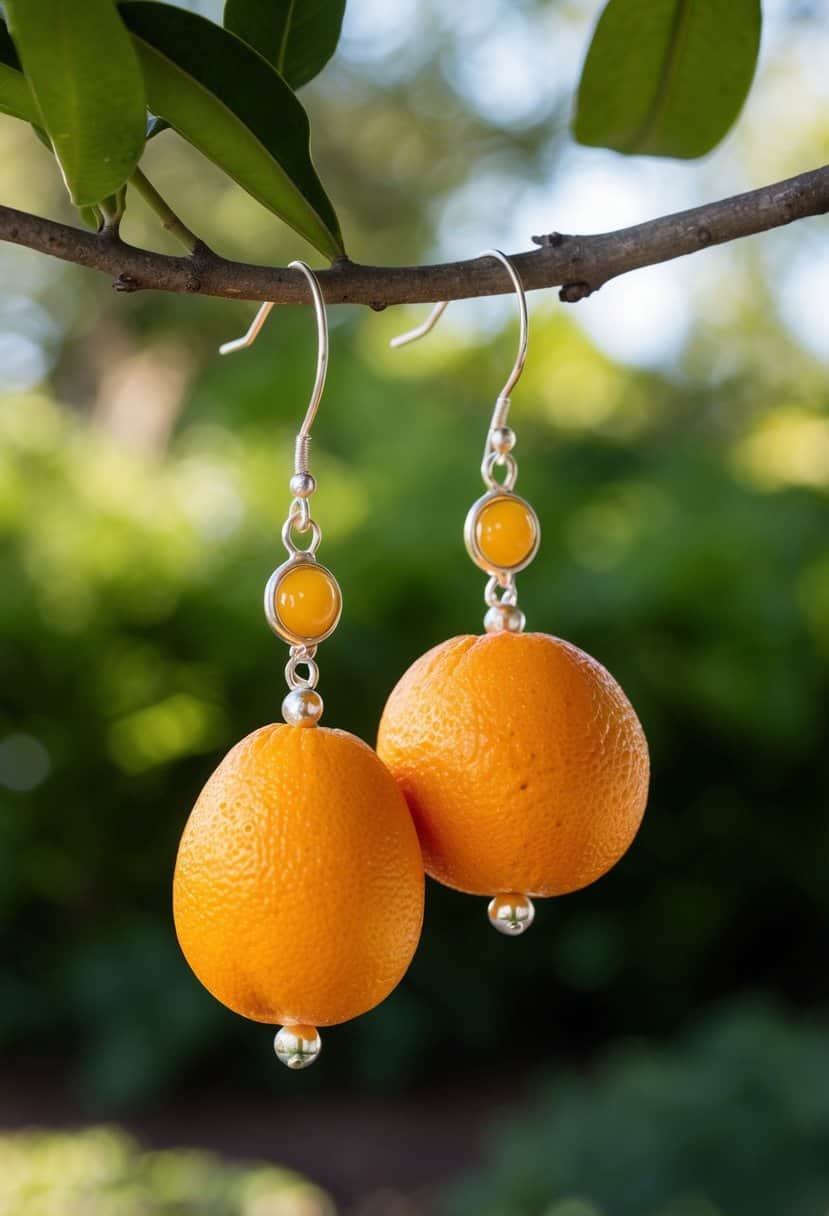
<point x="522" y="761"/>
<point x="298" y="890"/>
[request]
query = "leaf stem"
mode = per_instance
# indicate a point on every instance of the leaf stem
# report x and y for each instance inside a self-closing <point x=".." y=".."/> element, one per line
<point x="110" y="214"/>
<point x="164" y="211"/>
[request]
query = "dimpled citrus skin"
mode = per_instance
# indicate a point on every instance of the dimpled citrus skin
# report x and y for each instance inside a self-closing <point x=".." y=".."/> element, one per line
<point x="298" y="890"/>
<point x="522" y="761"/>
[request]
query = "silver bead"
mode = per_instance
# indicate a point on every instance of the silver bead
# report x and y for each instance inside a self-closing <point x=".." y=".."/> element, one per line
<point x="302" y="485"/>
<point x="502" y="439"/>
<point x="511" y="914"/>
<point x="504" y="618"/>
<point x="297" y="1046"/>
<point x="302" y="707"/>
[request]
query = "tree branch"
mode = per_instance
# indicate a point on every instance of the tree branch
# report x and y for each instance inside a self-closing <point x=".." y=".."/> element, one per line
<point x="577" y="264"/>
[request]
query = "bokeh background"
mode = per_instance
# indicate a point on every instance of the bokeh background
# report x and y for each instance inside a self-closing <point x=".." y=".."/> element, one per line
<point x="657" y="1045"/>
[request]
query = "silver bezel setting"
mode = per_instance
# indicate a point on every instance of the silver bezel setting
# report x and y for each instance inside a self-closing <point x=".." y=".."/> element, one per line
<point x="272" y="614"/>
<point x="471" y="540"/>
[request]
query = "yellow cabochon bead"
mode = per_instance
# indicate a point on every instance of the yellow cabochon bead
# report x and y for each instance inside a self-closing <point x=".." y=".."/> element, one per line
<point x="307" y="600"/>
<point x="506" y="532"/>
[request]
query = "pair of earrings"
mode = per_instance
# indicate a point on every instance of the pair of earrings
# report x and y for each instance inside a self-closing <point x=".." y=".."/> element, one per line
<point x="509" y="765"/>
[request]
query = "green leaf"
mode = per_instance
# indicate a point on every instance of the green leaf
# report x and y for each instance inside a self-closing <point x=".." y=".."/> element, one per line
<point x="228" y="102"/>
<point x="667" y="77"/>
<point x="16" y="99"/>
<point x="84" y="75"/>
<point x="15" y="96"/>
<point x="297" y="36"/>
<point x="92" y="217"/>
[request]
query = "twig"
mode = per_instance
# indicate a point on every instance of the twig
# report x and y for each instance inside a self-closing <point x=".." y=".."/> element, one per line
<point x="577" y="264"/>
<point x="164" y="211"/>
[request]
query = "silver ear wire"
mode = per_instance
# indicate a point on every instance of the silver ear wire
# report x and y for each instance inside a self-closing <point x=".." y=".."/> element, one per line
<point x="422" y="330"/>
<point x="302" y="707"/>
<point x="498" y="422"/>
<point x="248" y="339"/>
<point x="303" y="438"/>
<point x="502" y="401"/>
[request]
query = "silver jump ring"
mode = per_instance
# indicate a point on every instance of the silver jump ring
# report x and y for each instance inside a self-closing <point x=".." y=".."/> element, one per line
<point x="504" y="460"/>
<point x="302" y="656"/>
<point x="294" y="520"/>
<point x="299" y="513"/>
<point x="506" y="585"/>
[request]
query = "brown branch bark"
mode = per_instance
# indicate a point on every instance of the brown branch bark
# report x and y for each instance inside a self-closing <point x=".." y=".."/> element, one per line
<point x="578" y="265"/>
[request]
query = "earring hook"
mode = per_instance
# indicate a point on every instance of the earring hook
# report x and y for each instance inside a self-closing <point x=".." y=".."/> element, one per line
<point x="502" y="402"/>
<point x="303" y="438"/>
<point x="499" y="438"/>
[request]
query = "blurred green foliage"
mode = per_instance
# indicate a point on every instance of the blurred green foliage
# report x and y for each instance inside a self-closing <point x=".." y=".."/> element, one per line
<point x="136" y="653"/>
<point x="732" y="1119"/>
<point x="104" y="1171"/>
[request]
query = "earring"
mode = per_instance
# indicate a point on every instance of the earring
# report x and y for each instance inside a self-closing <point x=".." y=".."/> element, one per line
<point x="522" y="761"/>
<point x="298" y="889"/>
